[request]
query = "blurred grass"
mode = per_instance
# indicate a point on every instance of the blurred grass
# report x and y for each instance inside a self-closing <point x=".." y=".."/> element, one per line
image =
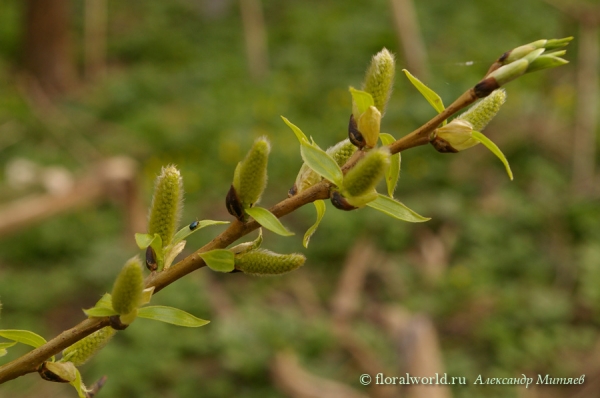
<point x="520" y="293"/>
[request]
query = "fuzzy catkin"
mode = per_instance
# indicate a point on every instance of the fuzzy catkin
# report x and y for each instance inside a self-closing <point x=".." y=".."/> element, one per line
<point x="250" y="177"/>
<point x="363" y="177"/>
<point x="380" y="78"/>
<point x="480" y="114"/>
<point x="165" y="210"/>
<point x="264" y="262"/>
<point x="127" y="291"/>
<point x="87" y="347"/>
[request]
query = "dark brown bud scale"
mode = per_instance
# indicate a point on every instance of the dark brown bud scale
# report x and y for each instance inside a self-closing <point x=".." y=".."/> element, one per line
<point x="354" y="135"/>
<point x="49" y="375"/>
<point x="442" y="146"/>
<point x="339" y="202"/>
<point x="485" y="87"/>
<point x="151" y="259"/>
<point x="115" y="323"/>
<point x="234" y="205"/>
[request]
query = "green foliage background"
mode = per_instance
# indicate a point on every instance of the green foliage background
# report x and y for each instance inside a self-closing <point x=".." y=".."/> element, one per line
<point x="519" y="295"/>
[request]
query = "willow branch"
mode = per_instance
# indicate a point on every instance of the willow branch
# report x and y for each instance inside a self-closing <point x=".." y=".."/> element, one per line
<point x="159" y="280"/>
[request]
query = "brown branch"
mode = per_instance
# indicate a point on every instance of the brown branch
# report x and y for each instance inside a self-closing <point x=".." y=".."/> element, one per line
<point x="29" y="362"/>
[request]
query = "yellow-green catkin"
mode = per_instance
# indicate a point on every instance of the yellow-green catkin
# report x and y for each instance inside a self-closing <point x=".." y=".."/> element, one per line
<point x="480" y="114"/>
<point x="250" y="177"/>
<point x="263" y="262"/>
<point x="363" y="177"/>
<point x="127" y="291"/>
<point x="379" y="78"/>
<point x="167" y="203"/>
<point x="342" y="151"/>
<point x="82" y="351"/>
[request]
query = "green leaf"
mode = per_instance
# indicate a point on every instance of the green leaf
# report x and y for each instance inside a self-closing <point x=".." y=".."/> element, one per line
<point x="320" y="206"/>
<point x="102" y="308"/>
<point x="78" y="385"/>
<point x="268" y="220"/>
<point x="171" y="315"/>
<point x="147" y="295"/>
<point x="220" y="260"/>
<point x="4" y="346"/>
<point x="393" y="172"/>
<point x="99" y="312"/>
<point x="395" y="209"/>
<point x="248" y="246"/>
<point x="143" y="240"/>
<point x="362" y="100"/>
<point x="23" y="336"/>
<point x="495" y="150"/>
<point x="299" y="134"/>
<point x="186" y="231"/>
<point x="321" y="163"/>
<point x="431" y="96"/>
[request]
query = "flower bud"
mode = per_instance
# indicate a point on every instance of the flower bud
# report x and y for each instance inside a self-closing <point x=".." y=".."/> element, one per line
<point x="165" y="209"/>
<point x="365" y="175"/>
<point x="250" y="177"/>
<point x="368" y="124"/>
<point x="480" y="114"/>
<point x="80" y="352"/>
<point x="456" y="136"/>
<point x="127" y="291"/>
<point x="264" y="262"/>
<point x="379" y="78"/>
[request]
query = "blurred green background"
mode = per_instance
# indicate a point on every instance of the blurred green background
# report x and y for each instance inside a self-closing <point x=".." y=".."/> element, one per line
<point x="507" y="273"/>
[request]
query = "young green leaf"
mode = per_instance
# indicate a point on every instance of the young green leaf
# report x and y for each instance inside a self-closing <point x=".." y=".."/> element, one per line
<point x="323" y="164"/>
<point x="78" y="385"/>
<point x="193" y="227"/>
<point x="431" y="96"/>
<point x="144" y="240"/>
<point x="220" y="260"/>
<point x="299" y="134"/>
<point x="23" y="336"/>
<point x="362" y="100"/>
<point x="4" y="346"/>
<point x="396" y="209"/>
<point x="393" y="172"/>
<point x="268" y="220"/>
<point x="171" y="315"/>
<point x="320" y="207"/>
<point x="99" y="312"/>
<point x="495" y="150"/>
<point x="248" y="246"/>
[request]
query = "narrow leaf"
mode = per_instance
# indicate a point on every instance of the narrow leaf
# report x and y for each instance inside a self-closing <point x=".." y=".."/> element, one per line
<point x="248" y="246"/>
<point x="171" y="315"/>
<point x="4" y="346"/>
<point x="320" y="206"/>
<point x="495" y="150"/>
<point x="393" y="172"/>
<point x="99" y="312"/>
<point x="23" y="336"/>
<point x="431" y="96"/>
<point x="299" y="134"/>
<point x="102" y="308"/>
<point x="197" y="226"/>
<point x="78" y="385"/>
<point x="396" y="209"/>
<point x="323" y="164"/>
<point x="268" y="220"/>
<point x="362" y="100"/>
<point x="220" y="260"/>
